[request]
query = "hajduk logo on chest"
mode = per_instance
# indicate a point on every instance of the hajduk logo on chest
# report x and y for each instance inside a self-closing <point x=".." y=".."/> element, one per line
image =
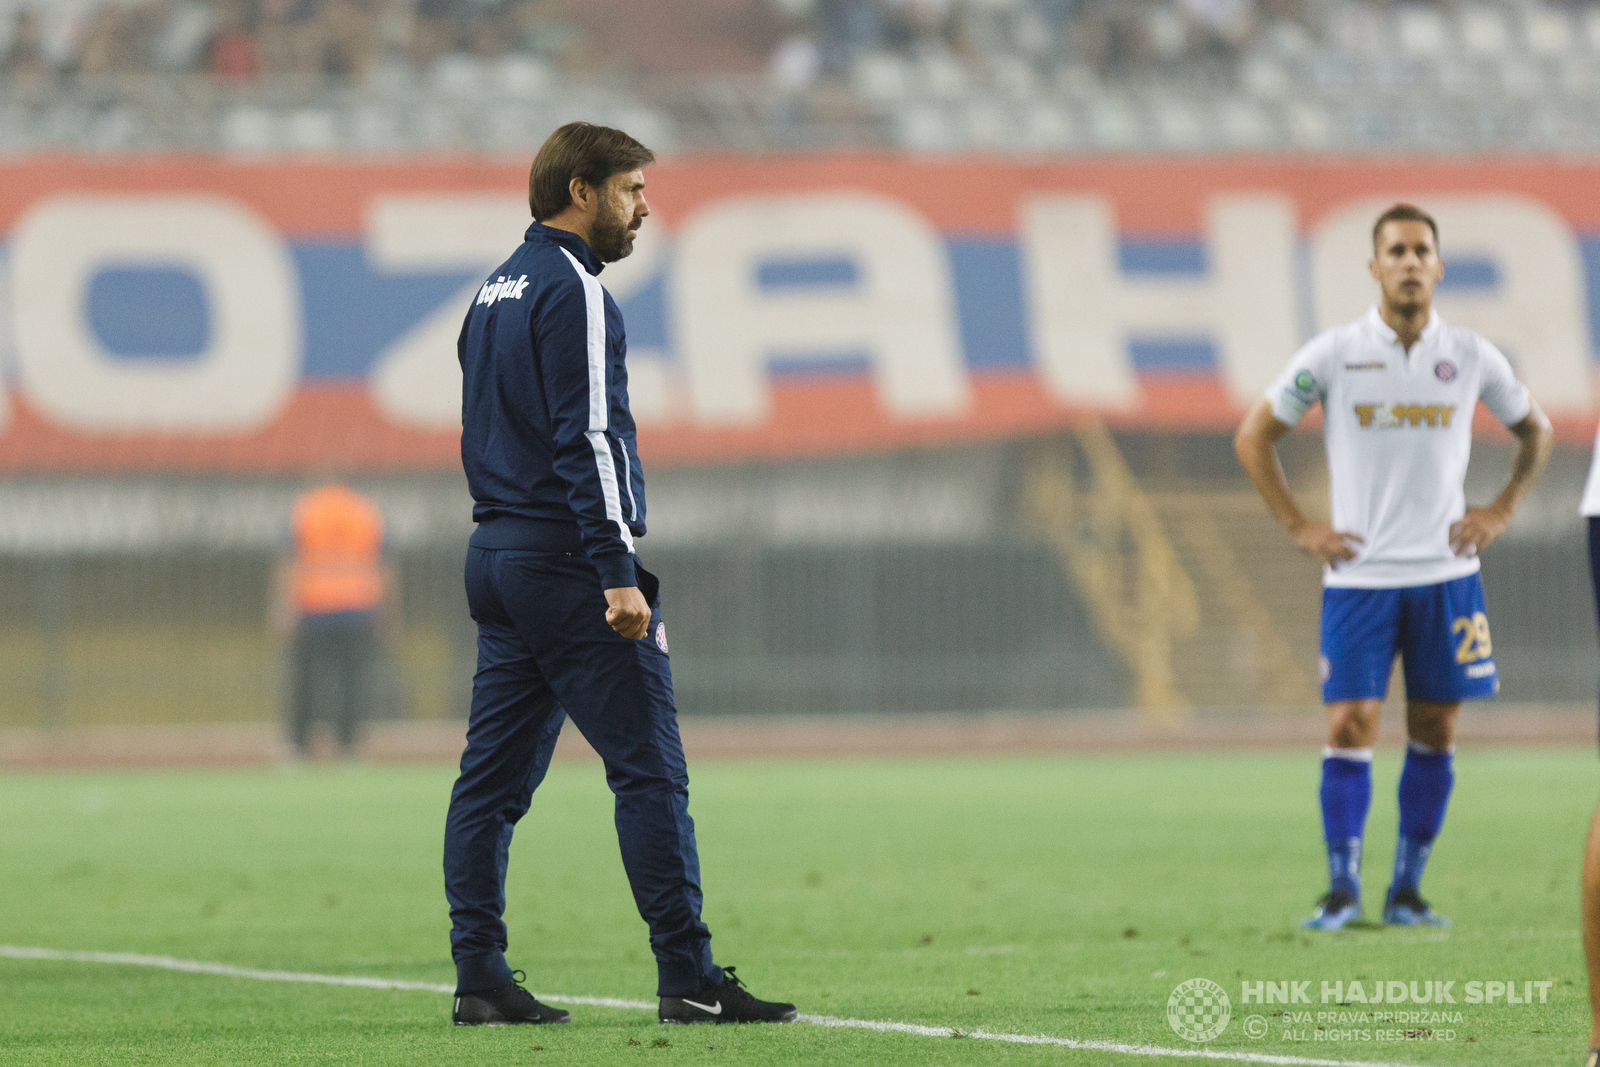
<point x="502" y="288"/>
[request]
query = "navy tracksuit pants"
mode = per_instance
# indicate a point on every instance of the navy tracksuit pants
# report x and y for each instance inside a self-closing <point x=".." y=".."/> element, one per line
<point x="545" y="653"/>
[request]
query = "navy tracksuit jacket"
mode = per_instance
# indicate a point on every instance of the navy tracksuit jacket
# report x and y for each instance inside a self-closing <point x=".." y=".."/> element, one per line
<point x="548" y="447"/>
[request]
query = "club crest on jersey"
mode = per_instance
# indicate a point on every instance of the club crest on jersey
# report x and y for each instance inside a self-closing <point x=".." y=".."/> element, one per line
<point x="661" y="636"/>
<point x="1444" y="370"/>
<point x="1394" y="416"/>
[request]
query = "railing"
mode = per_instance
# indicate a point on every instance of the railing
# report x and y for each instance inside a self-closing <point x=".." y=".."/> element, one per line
<point x="1063" y="581"/>
<point x="1231" y="586"/>
<point x="1108" y="538"/>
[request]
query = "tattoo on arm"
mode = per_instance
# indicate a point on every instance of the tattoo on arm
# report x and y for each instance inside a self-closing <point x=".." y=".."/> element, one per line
<point x="1534" y="443"/>
<point x="1527" y="462"/>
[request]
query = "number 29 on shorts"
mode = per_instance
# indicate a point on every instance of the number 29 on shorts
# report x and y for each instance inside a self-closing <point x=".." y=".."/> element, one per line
<point x="1473" y="642"/>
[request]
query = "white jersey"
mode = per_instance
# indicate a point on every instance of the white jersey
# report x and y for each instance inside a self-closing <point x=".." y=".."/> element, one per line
<point x="1398" y="430"/>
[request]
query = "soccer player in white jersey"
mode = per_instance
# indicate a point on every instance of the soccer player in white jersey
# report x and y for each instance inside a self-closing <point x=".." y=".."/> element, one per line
<point x="1398" y="388"/>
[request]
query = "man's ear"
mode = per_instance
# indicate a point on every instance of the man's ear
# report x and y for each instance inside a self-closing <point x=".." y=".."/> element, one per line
<point x="580" y="191"/>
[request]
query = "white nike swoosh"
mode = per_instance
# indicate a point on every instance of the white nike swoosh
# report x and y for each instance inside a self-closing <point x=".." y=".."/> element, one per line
<point x="713" y="1009"/>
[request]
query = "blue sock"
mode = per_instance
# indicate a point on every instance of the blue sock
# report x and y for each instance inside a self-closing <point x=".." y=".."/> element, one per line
<point x="1346" y="796"/>
<point x="1424" y="791"/>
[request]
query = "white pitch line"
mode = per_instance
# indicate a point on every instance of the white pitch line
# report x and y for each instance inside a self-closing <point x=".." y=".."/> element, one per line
<point x="1092" y="1046"/>
<point x="228" y="970"/>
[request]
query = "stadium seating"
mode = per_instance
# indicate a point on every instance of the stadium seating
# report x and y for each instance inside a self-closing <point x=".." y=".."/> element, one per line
<point x="1015" y="76"/>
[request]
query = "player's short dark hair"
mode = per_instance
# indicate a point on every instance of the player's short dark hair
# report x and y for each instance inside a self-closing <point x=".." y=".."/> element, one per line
<point x="1404" y="213"/>
<point x="579" y="150"/>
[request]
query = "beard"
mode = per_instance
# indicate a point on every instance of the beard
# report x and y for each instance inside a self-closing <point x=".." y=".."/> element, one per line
<point x="1407" y="301"/>
<point x="612" y="235"/>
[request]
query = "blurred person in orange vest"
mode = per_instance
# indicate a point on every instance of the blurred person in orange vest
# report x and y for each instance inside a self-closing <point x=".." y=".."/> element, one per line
<point x="335" y="586"/>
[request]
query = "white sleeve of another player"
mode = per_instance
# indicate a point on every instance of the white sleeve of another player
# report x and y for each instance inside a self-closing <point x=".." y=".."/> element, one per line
<point x="1506" y="398"/>
<point x="1304" y="382"/>
<point x="1590" y="504"/>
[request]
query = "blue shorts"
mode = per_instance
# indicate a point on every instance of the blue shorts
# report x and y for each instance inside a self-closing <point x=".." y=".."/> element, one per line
<point x="1440" y="632"/>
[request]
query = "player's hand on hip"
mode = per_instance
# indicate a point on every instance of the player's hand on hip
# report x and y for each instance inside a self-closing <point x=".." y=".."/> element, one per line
<point x="1476" y="530"/>
<point x="627" y="613"/>
<point x="1331" y="546"/>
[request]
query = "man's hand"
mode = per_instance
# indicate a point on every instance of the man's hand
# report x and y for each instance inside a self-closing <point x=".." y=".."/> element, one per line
<point x="628" y="614"/>
<point x="1477" y="529"/>
<point x="1331" y="546"/>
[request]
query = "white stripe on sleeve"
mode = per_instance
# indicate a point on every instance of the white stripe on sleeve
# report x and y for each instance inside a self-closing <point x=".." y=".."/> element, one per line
<point x="608" y="482"/>
<point x="627" y="480"/>
<point x="594" y="303"/>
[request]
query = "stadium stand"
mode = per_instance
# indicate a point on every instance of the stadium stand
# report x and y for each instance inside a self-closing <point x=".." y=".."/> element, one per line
<point x="1184" y="76"/>
<point x="1159" y="580"/>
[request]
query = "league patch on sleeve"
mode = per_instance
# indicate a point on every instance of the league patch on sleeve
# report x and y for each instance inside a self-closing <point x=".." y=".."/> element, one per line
<point x="1301" y="393"/>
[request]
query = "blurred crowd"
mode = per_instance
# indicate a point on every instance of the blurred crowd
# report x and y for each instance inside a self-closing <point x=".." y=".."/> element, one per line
<point x="1113" y="37"/>
<point x="342" y="41"/>
<point x="1116" y="39"/>
<point x="799" y="43"/>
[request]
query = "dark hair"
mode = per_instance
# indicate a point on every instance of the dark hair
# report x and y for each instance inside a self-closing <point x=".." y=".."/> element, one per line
<point x="579" y="150"/>
<point x="1404" y="213"/>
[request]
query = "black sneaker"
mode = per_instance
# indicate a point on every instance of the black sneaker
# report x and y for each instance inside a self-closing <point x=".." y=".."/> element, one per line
<point x="729" y="1002"/>
<point x="506" y="1006"/>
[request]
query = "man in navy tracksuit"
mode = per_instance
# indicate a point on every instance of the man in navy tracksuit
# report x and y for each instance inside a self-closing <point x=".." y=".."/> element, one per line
<point x="569" y="623"/>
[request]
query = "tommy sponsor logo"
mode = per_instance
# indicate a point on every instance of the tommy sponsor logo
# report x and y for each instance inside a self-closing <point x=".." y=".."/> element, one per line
<point x="1395" y="416"/>
<point x="502" y="289"/>
<point x="1376" y="364"/>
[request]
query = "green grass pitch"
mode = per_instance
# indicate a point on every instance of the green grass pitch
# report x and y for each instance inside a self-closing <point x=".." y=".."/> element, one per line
<point x="1054" y="895"/>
